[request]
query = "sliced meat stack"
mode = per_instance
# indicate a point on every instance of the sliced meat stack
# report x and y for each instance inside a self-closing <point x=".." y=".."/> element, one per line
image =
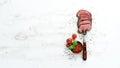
<point x="84" y="20"/>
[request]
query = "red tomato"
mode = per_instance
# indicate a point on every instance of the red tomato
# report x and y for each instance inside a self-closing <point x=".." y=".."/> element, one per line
<point x="69" y="41"/>
<point x="67" y="45"/>
<point x="74" y="36"/>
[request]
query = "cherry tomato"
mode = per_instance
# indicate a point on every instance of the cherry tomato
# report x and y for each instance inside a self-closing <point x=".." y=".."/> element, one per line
<point x="74" y="36"/>
<point x="69" y="41"/>
<point x="67" y="45"/>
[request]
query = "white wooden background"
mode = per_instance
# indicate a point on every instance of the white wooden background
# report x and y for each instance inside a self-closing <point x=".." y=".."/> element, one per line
<point x="33" y="33"/>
